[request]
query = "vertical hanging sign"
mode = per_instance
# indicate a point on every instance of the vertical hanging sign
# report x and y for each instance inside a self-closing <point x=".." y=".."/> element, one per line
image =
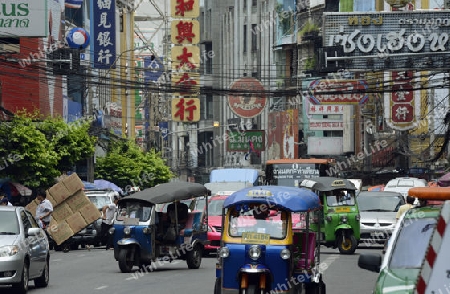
<point x="185" y="54"/>
<point x="103" y="34"/>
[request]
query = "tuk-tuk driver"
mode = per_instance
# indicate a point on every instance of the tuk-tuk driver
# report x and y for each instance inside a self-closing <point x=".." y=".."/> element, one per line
<point x="182" y="211"/>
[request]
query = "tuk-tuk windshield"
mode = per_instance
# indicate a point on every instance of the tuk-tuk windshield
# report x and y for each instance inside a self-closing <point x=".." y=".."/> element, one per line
<point x="340" y="198"/>
<point x="134" y="210"/>
<point x="269" y="221"/>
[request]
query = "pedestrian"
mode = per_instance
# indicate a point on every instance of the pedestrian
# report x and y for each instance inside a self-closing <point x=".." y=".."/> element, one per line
<point x="44" y="209"/>
<point x="405" y="207"/>
<point x="5" y="202"/>
<point x="108" y="212"/>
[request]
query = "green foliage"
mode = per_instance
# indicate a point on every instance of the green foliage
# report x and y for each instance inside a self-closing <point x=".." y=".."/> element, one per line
<point x="125" y="164"/>
<point x="285" y="19"/>
<point x="309" y="27"/>
<point x="310" y="63"/>
<point x="34" y="151"/>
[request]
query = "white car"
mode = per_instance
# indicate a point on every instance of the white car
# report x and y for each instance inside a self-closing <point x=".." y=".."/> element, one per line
<point x="402" y="185"/>
<point x="24" y="250"/>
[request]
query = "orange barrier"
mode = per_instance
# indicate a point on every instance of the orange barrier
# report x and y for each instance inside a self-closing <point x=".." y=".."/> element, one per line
<point x="430" y="193"/>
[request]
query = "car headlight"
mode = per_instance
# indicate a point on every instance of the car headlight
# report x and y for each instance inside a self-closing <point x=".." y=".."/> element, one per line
<point x="94" y="232"/>
<point x="146" y="230"/>
<point x="344" y="219"/>
<point x="254" y="252"/>
<point x="112" y="230"/>
<point x="224" y="252"/>
<point x="9" y="250"/>
<point x="127" y="230"/>
<point x="285" y="253"/>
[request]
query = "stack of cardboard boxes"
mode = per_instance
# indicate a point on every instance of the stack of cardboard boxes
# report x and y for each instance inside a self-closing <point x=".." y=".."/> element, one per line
<point x="72" y="210"/>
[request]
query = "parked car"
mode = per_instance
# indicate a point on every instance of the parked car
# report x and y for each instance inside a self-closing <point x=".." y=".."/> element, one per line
<point x="377" y="210"/>
<point x="215" y="206"/>
<point x="92" y="234"/>
<point x="24" y="250"/>
<point x="402" y="185"/>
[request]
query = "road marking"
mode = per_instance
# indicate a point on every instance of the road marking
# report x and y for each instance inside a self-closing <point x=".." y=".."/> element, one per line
<point x="59" y="259"/>
<point x="325" y="264"/>
<point x="101" y="287"/>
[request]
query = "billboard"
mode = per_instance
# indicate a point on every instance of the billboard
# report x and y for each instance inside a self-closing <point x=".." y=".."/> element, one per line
<point x="395" y="40"/>
<point x="103" y="34"/>
<point x="24" y="18"/>
<point x="247" y="98"/>
<point x="240" y="140"/>
<point x="282" y="138"/>
<point x="338" y="92"/>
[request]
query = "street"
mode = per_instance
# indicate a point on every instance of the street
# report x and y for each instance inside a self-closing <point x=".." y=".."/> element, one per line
<point x="96" y="272"/>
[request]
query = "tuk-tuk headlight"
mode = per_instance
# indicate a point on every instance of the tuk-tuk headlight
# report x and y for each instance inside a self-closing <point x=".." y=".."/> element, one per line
<point x="285" y="253"/>
<point x="254" y="252"/>
<point x="146" y="230"/>
<point x="224" y="252"/>
<point x="111" y="231"/>
<point x="344" y="219"/>
<point x="357" y="217"/>
<point x="127" y="230"/>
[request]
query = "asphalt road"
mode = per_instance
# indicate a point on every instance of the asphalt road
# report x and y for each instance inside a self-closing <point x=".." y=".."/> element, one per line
<point x="96" y="272"/>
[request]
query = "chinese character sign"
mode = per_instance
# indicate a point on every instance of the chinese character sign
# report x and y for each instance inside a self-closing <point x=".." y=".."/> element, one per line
<point x="185" y="8"/>
<point x="103" y="33"/>
<point x="186" y="109"/>
<point x="185" y="32"/>
<point x="185" y="58"/>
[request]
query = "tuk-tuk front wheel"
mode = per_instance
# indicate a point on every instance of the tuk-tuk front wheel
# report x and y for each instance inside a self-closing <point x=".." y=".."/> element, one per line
<point x="194" y="257"/>
<point x="125" y="260"/>
<point x="346" y="243"/>
<point x="218" y="286"/>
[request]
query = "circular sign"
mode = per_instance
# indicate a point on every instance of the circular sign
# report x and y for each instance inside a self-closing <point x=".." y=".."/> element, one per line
<point x="78" y="38"/>
<point x="247" y="98"/>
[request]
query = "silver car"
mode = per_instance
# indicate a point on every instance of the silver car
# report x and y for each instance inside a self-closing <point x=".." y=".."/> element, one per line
<point x="24" y="250"/>
<point x="377" y="210"/>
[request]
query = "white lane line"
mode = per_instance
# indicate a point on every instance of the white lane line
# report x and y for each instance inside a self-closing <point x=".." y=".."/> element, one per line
<point x="59" y="259"/>
<point x="325" y="264"/>
<point x="101" y="287"/>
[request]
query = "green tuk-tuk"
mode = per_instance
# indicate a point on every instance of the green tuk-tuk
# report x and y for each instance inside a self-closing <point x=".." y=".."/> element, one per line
<point x="339" y="218"/>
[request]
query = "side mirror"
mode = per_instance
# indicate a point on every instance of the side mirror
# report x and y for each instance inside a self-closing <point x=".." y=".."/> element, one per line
<point x="371" y="262"/>
<point x="33" y="232"/>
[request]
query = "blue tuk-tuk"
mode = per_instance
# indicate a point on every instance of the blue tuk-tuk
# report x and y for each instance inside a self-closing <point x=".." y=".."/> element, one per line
<point x="148" y="238"/>
<point x="260" y="252"/>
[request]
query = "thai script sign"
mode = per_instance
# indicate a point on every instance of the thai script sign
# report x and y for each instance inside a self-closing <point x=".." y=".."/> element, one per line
<point x="338" y="92"/>
<point x="390" y="40"/>
<point x="103" y="34"/>
<point x="240" y="140"/>
<point x="24" y="18"/>
<point x="295" y="171"/>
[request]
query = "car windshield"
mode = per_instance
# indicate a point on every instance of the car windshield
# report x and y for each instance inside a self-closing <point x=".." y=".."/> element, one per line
<point x="411" y="243"/>
<point x="215" y="207"/>
<point x="134" y="210"/>
<point x="100" y="201"/>
<point x="379" y="203"/>
<point x="9" y="224"/>
<point x="340" y="198"/>
<point x="189" y="202"/>
<point x="254" y="220"/>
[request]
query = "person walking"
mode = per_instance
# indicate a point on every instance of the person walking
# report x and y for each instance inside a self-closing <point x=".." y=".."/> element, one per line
<point x="44" y="209"/>
<point x="108" y="212"/>
<point x="405" y="207"/>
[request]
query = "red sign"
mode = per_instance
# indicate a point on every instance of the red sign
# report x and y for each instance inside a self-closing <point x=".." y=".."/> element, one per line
<point x="248" y="99"/>
<point x="402" y="100"/>
<point x="338" y="92"/>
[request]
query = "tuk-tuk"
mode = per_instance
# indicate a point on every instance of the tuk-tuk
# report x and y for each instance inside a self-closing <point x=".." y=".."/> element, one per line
<point x="259" y="252"/>
<point x="340" y="217"/>
<point x="144" y="235"/>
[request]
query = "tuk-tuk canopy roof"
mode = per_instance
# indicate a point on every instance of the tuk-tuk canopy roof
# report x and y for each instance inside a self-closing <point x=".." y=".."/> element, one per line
<point x="289" y="198"/>
<point x="327" y="184"/>
<point x="169" y="192"/>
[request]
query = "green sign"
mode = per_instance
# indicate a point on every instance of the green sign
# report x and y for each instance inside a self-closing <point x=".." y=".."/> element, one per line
<point x="239" y="140"/>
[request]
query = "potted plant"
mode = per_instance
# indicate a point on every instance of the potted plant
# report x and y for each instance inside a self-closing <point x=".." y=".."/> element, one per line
<point x="309" y="30"/>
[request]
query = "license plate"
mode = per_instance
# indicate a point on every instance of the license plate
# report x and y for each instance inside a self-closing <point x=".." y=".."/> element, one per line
<point x="376" y="234"/>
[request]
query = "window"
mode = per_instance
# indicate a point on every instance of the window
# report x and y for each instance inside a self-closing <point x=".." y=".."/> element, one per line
<point x="244" y="39"/>
<point x="254" y="38"/>
<point x="206" y="106"/>
<point x="207" y="58"/>
<point x="254" y="3"/>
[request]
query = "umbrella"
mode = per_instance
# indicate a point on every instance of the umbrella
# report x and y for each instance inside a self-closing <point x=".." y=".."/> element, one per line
<point x="444" y="181"/>
<point x="89" y="186"/>
<point x="104" y="184"/>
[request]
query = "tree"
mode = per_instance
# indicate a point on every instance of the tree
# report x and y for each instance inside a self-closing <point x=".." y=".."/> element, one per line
<point x="126" y="166"/>
<point x="34" y="151"/>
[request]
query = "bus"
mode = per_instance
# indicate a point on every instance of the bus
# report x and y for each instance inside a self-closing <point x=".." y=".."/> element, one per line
<point x="291" y="172"/>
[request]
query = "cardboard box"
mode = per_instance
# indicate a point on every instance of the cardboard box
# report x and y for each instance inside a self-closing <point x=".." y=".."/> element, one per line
<point x="60" y="232"/>
<point x="73" y="183"/>
<point x="51" y="199"/>
<point x="76" y="222"/>
<point x="59" y="193"/>
<point x="31" y="207"/>
<point x="61" y="212"/>
<point x="90" y="213"/>
<point x="77" y="201"/>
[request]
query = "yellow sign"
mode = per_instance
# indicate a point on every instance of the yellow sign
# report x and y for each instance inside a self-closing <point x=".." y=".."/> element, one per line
<point x="185" y="8"/>
<point x="338" y="183"/>
<point x="259" y="193"/>
<point x="185" y="32"/>
<point x="186" y="83"/>
<point x="255" y="238"/>
<point x="342" y="209"/>
<point x="186" y="109"/>
<point x="185" y="58"/>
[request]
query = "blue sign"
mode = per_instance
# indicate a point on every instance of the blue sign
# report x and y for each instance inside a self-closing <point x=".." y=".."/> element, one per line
<point x="78" y="38"/>
<point x="153" y="68"/>
<point x="164" y="129"/>
<point x="103" y="34"/>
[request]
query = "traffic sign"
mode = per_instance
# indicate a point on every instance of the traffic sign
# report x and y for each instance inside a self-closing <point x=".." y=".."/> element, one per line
<point x="154" y="68"/>
<point x="434" y="276"/>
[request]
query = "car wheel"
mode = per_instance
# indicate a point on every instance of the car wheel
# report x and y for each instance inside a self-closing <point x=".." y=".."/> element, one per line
<point x="194" y="257"/>
<point x="22" y="286"/>
<point x="42" y="281"/>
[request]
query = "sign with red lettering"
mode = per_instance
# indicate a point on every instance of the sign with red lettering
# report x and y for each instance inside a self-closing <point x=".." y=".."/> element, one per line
<point x="247" y="98"/>
<point x="338" y="92"/>
<point x="186" y="109"/>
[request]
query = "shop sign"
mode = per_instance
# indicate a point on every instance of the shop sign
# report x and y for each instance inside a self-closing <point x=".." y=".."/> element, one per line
<point x="338" y="92"/>
<point x="247" y="98"/>
<point x="240" y="140"/>
<point x="24" y="18"/>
